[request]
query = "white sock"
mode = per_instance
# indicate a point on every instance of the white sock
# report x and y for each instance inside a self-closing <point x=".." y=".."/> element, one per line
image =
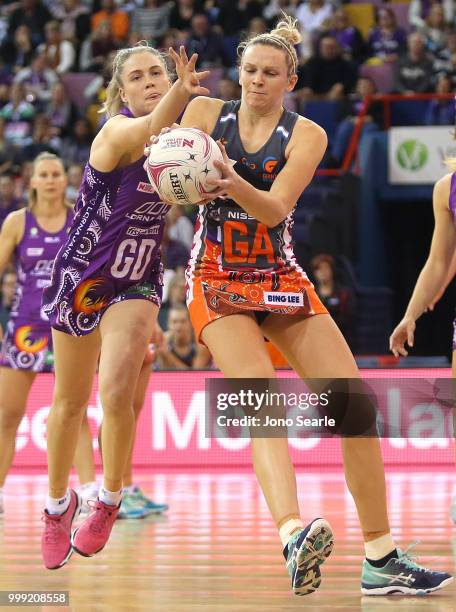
<point x="58" y="505"/>
<point x="288" y="528"/>
<point x="89" y="485"/>
<point x="111" y="498"/>
<point x="129" y="489"/>
<point x="380" y="547"/>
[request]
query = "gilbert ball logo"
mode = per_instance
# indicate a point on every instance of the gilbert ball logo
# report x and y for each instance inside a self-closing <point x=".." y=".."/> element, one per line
<point x="412" y="155"/>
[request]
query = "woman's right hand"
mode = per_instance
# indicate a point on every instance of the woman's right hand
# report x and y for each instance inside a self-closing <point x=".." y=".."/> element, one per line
<point x="154" y="138"/>
<point x="404" y="332"/>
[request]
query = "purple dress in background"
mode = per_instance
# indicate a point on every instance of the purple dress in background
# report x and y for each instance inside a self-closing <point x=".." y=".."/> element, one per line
<point x="27" y="343"/>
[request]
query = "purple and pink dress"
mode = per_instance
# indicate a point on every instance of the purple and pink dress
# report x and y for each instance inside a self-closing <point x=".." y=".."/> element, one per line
<point x="112" y="252"/>
<point x="27" y="343"/>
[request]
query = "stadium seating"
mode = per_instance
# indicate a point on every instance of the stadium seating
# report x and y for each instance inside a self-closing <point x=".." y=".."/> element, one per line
<point x="323" y="112"/>
<point x="381" y="74"/>
<point x="401" y="10"/>
<point x="361" y="16"/>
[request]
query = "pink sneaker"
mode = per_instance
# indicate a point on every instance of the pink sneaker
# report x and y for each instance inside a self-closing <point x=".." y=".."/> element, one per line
<point x="55" y="542"/>
<point x="94" y="532"/>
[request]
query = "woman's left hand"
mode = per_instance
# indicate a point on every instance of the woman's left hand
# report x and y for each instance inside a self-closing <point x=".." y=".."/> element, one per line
<point x="186" y="72"/>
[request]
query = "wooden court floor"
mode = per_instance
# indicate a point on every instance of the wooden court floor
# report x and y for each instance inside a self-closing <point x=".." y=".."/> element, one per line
<point x="217" y="548"/>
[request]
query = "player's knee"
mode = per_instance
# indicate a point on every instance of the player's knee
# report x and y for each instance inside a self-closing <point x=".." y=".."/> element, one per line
<point x="116" y="397"/>
<point x="69" y="407"/>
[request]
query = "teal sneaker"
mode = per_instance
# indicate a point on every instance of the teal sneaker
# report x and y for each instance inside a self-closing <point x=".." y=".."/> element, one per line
<point x="306" y="551"/>
<point x="150" y="505"/>
<point x="401" y="576"/>
<point x="132" y="508"/>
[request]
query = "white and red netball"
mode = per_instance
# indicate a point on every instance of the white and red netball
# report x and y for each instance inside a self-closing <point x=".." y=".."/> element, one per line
<point x="180" y="164"/>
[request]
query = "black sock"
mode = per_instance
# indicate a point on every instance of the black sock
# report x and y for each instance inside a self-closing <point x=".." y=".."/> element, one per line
<point x="384" y="560"/>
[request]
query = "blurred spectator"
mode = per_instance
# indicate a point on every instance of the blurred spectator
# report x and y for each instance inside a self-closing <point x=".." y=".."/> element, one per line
<point x="42" y="139"/>
<point x="76" y="147"/>
<point x="350" y="109"/>
<point x="38" y="80"/>
<point x="4" y="16"/>
<point x="227" y="89"/>
<point x="249" y="9"/>
<point x="9" y="202"/>
<point x="7" y="150"/>
<point x="59" y="53"/>
<point x="339" y="300"/>
<point x="175" y="296"/>
<point x="313" y="16"/>
<point x="118" y="20"/>
<point x="179" y="226"/>
<point x="170" y="39"/>
<point x="273" y="10"/>
<point x="327" y="75"/>
<point x="74" y="177"/>
<point x="231" y="20"/>
<point x="180" y="17"/>
<point x="419" y="10"/>
<point x="61" y="110"/>
<point x="180" y="351"/>
<point x="18" y="115"/>
<point x="22" y="182"/>
<point x="442" y="62"/>
<point x="386" y="40"/>
<point x="32" y="13"/>
<point x="18" y="50"/>
<point x="435" y="30"/>
<point x="75" y="20"/>
<point x="413" y="71"/>
<point x="257" y="25"/>
<point x="6" y="76"/>
<point x="441" y="112"/>
<point x="207" y="43"/>
<point x="349" y="38"/>
<point x="97" y="48"/>
<point x="151" y="21"/>
<point x="4" y="94"/>
<point x="449" y="72"/>
<point x="95" y="93"/>
<point x="8" y="288"/>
